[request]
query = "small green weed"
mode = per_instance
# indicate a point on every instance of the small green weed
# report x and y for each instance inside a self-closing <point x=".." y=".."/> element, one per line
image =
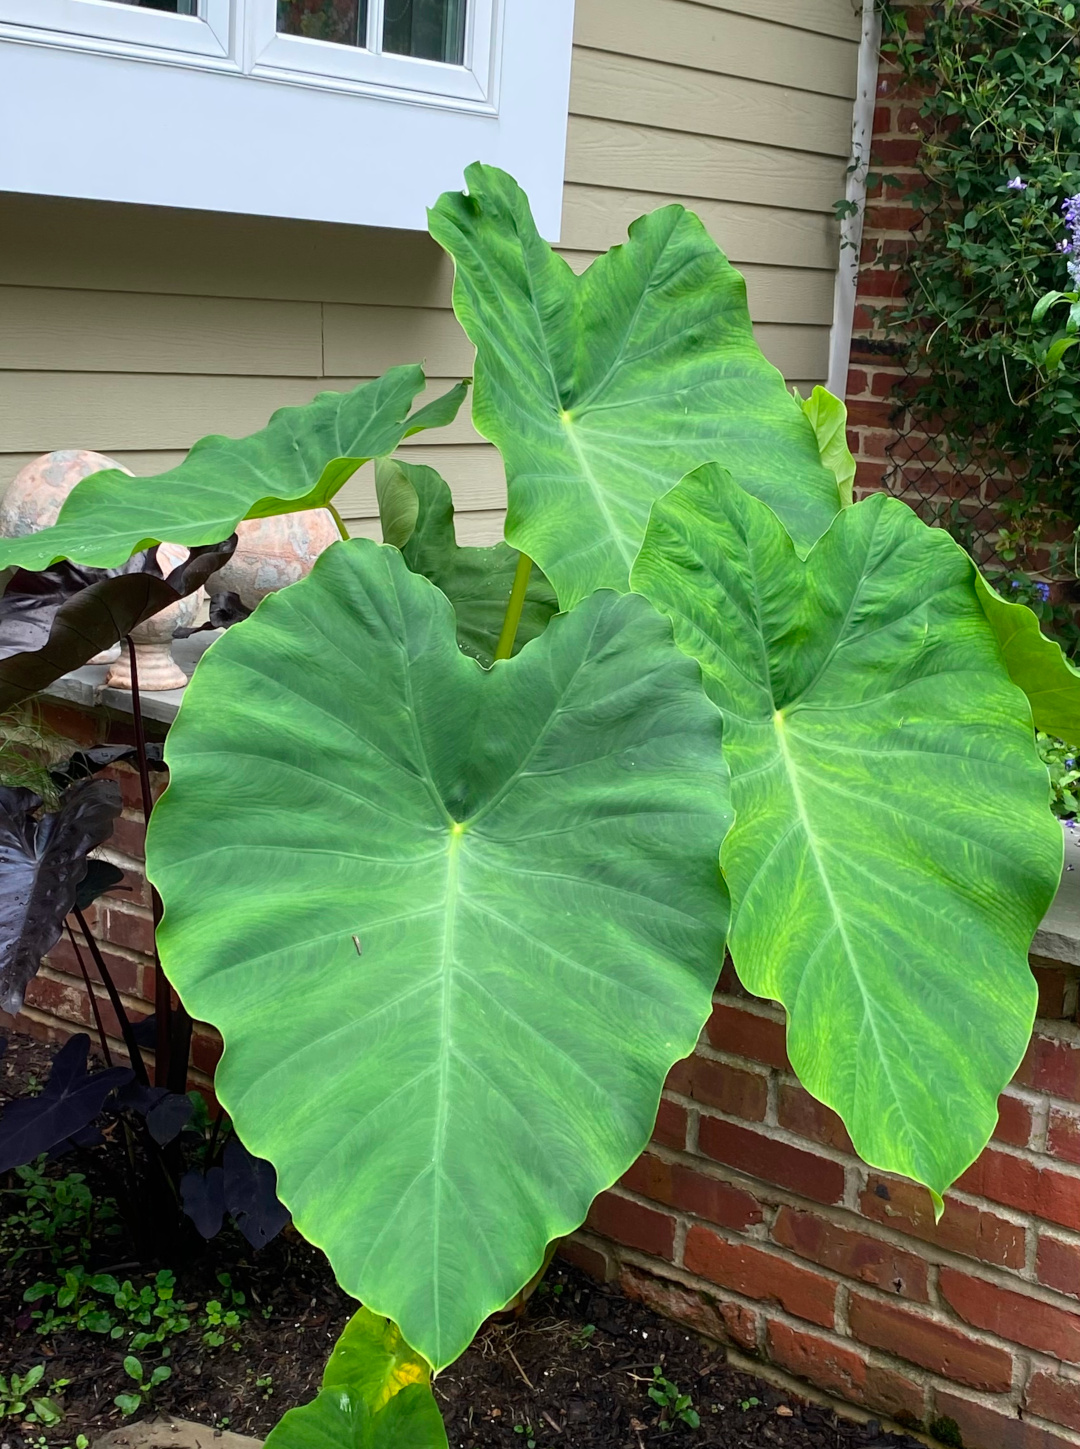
<point x="582" y="1336"/>
<point x="53" y="1216"/>
<point x="75" y="1303"/>
<point x="745" y="1404"/>
<point x="97" y="1303"/>
<point x="153" y="1309"/>
<point x="221" y="1317"/>
<point x="19" y="1401"/>
<point x="131" y="1403"/>
<point x="265" y="1384"/>
<point x="527" y="1430"/>
<point x="675" y="1406"/>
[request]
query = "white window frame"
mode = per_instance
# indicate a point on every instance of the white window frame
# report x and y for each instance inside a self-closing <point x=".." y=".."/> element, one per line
<point x="69" y="22"/>
<point x="288" y="57"/>
<point x="218" y="113"/>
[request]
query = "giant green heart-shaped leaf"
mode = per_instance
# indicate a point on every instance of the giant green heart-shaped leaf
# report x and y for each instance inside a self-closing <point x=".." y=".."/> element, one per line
<point x="601" y="391"/>
<point x="375" y="1394"/>
<point x="893" y="851"/>
<point x="482" y="909"/>
<point x="417" y="513"/>
<point x="300" y="460"/>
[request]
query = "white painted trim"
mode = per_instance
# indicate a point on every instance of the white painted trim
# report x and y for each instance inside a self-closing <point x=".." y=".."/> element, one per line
<point x="851" y="229"/>
<point x="164" y="128"/>
<point x="66" y="22"/>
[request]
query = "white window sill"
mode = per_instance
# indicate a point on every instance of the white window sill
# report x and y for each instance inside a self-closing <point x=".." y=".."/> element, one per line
<point x="128" y="124"/>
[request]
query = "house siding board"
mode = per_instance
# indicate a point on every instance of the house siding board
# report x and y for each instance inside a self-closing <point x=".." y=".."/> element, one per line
<point x="136" y="330"/>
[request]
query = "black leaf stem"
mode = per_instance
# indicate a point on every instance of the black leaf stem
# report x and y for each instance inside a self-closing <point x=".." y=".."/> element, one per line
<point x="162" y="990"/>
<point x="138" y="1066"/>
<point x="90" y="992"/>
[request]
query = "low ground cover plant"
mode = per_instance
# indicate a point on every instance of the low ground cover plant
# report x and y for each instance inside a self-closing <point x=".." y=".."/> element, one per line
<point x="455" y="838"/>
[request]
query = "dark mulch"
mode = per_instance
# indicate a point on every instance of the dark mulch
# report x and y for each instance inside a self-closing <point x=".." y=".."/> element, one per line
<point x="574" y="1370"/>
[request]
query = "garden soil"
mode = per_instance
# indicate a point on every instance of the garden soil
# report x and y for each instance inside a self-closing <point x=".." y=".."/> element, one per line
<point x="572" y="1372"/>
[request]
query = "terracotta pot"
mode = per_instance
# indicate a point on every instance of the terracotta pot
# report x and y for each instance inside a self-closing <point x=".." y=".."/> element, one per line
<point x="36" y="493"/>
<point x="153" y="637"/>
<point x="273" y="553"/>
<point x="34" y="496"/>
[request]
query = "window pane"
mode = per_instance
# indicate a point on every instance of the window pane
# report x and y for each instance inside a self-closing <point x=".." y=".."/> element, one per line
<point x="344" y="22"/>
<point x="174" y="7"/>
<point x="428" y="29"/>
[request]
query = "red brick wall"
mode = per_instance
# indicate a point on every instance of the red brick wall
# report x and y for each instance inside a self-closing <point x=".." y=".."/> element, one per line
<point x="892" y="449"/>
<point x="750" y="1218"/>
<point x="890" y="228"/>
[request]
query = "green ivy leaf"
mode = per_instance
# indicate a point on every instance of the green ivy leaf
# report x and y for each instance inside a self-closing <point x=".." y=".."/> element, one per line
<point x="601" y="391"/>
<point x="411" y="865"/>
<point x="893" y="852"/>
<point x="299" y="460"/>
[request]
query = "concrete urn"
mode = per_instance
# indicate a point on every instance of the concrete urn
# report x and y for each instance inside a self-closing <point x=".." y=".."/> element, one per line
<point x="153" y="637"/>
<point x="273" y="553"/>
<point x="37" y="492"/>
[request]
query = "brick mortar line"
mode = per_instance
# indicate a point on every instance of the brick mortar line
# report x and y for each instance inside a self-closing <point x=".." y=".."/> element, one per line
<point x="776" y="1132"/>
<point x="767" y="1308"/>
<point x="49" y="973"/>
<point x="933" y="1254"/>
<point x="1025" y="1361"/>
<point x="938" y="1314"/>
<point x="51" y="1022"/>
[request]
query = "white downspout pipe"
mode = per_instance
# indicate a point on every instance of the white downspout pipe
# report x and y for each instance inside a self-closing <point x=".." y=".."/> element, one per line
<point x="851" y="228"/>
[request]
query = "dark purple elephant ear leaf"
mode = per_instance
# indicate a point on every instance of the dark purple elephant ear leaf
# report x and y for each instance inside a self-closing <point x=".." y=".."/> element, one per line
<point x="72" y="1098"/>
<point x="100" y="757"/>
<point x="42" y="864"/>
<point x="100" y="877"/>
<point x="251" y="1195"/>
<point x="57" y="619"/>
<point x="203" y="1197"/>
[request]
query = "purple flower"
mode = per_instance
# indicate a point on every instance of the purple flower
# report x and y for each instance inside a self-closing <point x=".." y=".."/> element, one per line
<point x="1070" y="246"/>
<point x="1017" y="183"/>
<point x="1043" y="591"/>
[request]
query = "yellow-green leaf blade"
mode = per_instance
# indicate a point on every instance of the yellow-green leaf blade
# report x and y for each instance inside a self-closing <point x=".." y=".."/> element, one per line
<point x="375" y="1394"/>
<point x="299" y="460"/>
<point x="828" y="418"/>
<point x="893" y="852"/>
<point x="1035" y="663"/>
<point x="601" y="391"/>
<point x="410" y="865"/>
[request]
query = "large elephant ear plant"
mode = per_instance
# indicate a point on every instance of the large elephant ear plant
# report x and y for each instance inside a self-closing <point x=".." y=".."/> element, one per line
<point x="453" y="872"/>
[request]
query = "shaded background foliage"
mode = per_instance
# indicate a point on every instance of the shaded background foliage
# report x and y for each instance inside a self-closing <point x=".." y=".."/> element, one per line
<point x="998" y="86"/>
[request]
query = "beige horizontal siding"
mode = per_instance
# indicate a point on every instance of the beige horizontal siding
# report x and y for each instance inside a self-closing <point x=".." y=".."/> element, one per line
<point x="135" y="331"/>
<point x="725" y="42"/>
<point x="820" y="17"/>
<point x="699" y="166"/>
<point x="63" y="329"/>
<point x="646" y="92"/>
<point x="597" y="217"/>
<point x="106" y="410"/>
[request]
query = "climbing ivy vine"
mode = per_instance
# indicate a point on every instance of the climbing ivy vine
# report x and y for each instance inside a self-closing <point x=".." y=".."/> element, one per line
<point x="998" y="97"/>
